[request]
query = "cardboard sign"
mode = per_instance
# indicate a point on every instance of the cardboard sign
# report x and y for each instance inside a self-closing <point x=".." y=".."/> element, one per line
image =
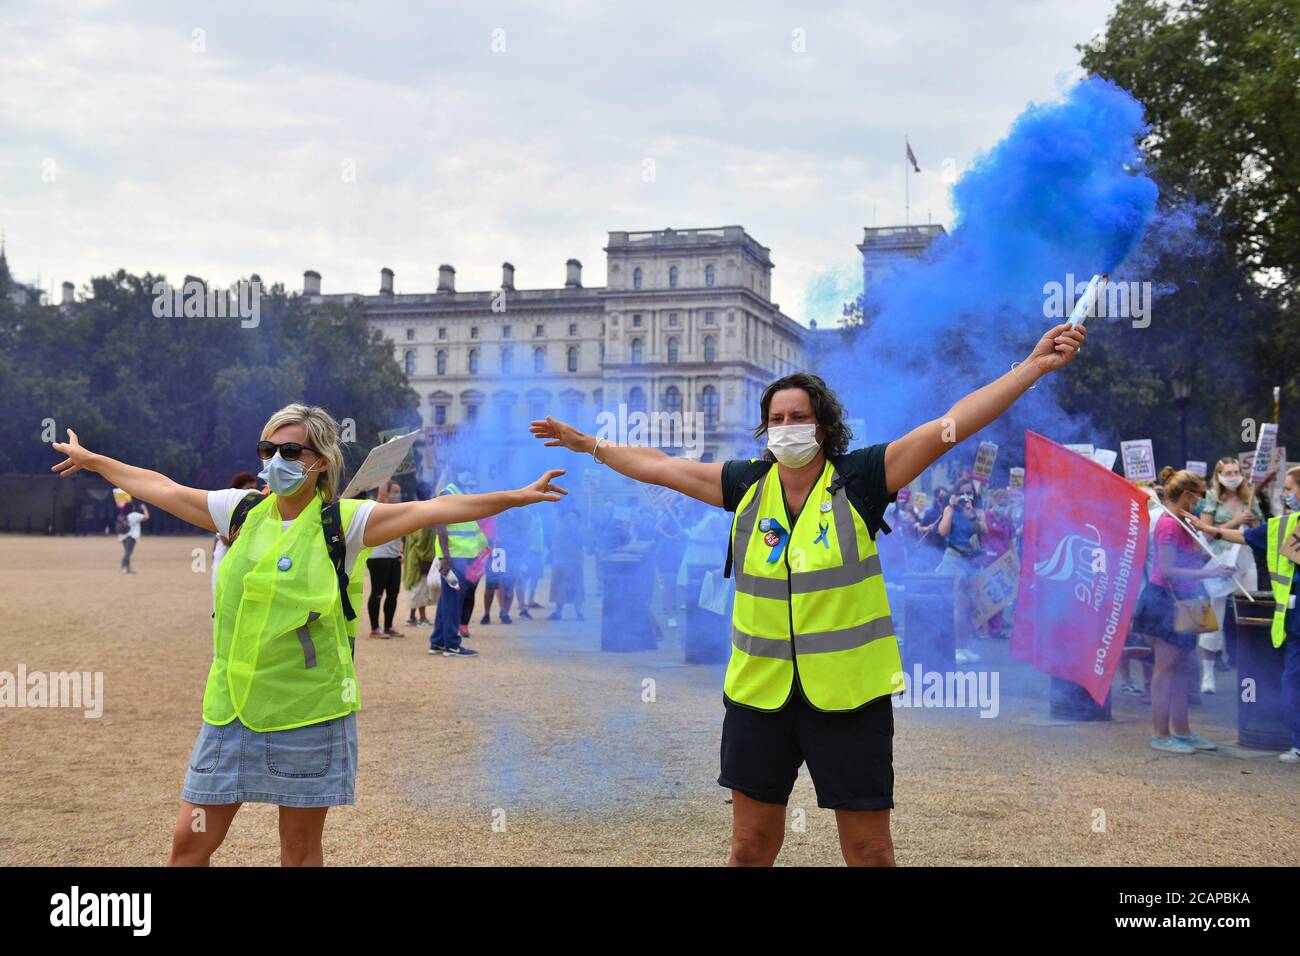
<point x="1291" y="546"/>
<point x="1105" y="457"/>
<point x="1264" y="451"/>
<point x="996" y="586"/>
<point x="984" y="458"/>
<point x="1139" y="460"/>
<point x="407" y="464"/>
<point x="1017" y="477"/>
<point x="1086" y="450"/>
<point x="380" y="464"/>
<point x="1196" y="468"/>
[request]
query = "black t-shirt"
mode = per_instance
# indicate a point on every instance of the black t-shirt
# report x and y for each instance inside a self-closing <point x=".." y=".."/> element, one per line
<point x="866" y="468"/>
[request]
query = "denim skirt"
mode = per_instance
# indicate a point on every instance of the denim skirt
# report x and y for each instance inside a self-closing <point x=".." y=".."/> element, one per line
<point x="312" y="766"/>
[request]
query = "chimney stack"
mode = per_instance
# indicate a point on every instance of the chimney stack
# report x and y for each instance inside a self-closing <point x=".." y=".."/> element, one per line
<point x="573" y="277"/>
<point x="311" y="282"/>
<point x="69" y="293"/>
<point x="446" y="279"/>
<point x="385" y="281"/>
<point x="507" y="277"/>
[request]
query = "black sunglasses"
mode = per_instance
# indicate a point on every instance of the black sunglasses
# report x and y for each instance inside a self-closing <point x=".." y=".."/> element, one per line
<point x="289" y="450"/>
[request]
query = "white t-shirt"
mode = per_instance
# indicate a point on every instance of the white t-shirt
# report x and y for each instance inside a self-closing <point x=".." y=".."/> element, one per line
<point x="221" y="505"/>
<point x="133" y="526"/>
<point x="389" y="549"/>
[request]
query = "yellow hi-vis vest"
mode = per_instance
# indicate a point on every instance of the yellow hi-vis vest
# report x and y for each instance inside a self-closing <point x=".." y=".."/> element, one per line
<point x="818" y="608"/>
<point x="465" y="538"/>
<point x="281" y="656"/>
<point x="1280" y="571"/>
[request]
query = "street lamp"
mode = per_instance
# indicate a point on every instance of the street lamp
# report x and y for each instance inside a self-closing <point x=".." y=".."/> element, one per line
<point x="1182" y="386"/>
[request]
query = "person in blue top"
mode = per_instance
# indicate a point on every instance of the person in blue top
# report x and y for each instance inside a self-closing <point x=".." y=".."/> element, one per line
<point x="1257" y="538"/>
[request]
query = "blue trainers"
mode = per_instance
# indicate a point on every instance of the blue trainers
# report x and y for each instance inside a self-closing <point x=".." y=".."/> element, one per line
<point x="1197" y="742"/>
<point x="461" y="651"/>
<point x="437" y="648"/>
<point x="1172" y="745"/>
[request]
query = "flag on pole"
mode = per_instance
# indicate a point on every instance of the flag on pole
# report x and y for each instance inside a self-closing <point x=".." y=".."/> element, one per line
<point x="911" y="156"/>
<point x="1085" y="545"/>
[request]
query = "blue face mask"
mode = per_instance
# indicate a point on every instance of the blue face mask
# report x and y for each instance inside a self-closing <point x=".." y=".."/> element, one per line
<point x="1196" y="508"/>
<point x="283" y="477"/>
<point x="1292" y="502"/>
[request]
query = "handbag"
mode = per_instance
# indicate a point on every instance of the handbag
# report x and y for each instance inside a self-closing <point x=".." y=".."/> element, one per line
<point x="1194" y="616"/>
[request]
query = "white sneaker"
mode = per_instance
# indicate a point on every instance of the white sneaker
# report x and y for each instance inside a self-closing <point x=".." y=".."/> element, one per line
<point x="1207" y="684"/>
<point x="1291" y="756"/>
<point x="962" y="656"/>
<point x="971" y="657"/>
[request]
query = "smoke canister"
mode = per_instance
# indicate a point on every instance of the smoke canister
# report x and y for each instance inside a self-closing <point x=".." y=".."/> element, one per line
<point x="1087" y="304"/>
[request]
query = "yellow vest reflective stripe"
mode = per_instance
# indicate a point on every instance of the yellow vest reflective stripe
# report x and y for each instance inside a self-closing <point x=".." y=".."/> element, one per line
<point x="820" y="608"/>
<point x="281" y="651"/>
<point x="465" y="538"/>
<point x="1280" y="572"/>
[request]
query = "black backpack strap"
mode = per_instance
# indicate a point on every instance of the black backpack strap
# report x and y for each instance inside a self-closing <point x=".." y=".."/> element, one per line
<point x="242" y="508"/>
<point x="331" y="521"/>
<point x="844" y="478"/>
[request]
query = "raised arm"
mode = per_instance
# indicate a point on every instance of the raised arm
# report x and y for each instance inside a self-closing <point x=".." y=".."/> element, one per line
<point x="389" y="521"/>
<point x="188" y="504"/>
<point x="907" y="457"/>
<point x="698" y="479"/>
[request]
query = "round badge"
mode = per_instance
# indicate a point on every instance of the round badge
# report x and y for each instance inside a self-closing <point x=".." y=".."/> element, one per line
<point x="764" y="524"/>
<point x="285" y="563"/>
<point x="771" y="539"/>
<point x="826" y="506"/>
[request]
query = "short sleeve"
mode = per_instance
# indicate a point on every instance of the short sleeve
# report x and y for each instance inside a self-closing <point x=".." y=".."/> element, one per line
<point x="868" y="469"/>
<point x="1257" y="537"/>
<point x="737" y="475"/>
<point x="356" y="534"/>
<point x="221" y="505"/>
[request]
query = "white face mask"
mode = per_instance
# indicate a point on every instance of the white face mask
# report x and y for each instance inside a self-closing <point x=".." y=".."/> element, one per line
<point x="1232" y="484"/>
<point x="793" y="445"/>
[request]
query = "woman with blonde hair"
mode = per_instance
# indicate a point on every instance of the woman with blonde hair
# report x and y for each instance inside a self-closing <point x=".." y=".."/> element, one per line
<point x="1229" y="503"/>
<point x="279" y="721"/>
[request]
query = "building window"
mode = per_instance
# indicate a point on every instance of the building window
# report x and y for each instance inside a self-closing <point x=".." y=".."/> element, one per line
<point x="573" y="358"/>
<point x="672" y="350"/>
<point x="710" y="349"/>
<point x="636" y="320"/>
<point x="602" y="353"/>
<point x="636" y="351"/>
<point x="672" y="399"/>
<point x="473" y="361"/>
<point x="442" y="331"/>
<point x="636" y="400"/>
<point x="709" y="404"/>
<point x="710" y="319"/>
<point x="573" y="328"/>
<point x="410" y="335"/>
<point x="471" y="413"/>
<point x="409" y="361"/>
<point x="672" y="318"/>
<point x="473" y="331"/>
<point x="507" y="359"/>
<point x="636" y="278"/>
<point x="539" y="360"/>
<point x="672" y="277"/>
<point x="505" y="331"/>
<point x="539" y="331"/>
<point x="709" y="275"/>
<point x="442" y="361"/>
<point x="440" y="414"/>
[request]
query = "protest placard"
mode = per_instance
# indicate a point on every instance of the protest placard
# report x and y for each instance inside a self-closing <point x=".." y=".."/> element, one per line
<point x="380" y="464"/>
<point x="1139" y="460"/>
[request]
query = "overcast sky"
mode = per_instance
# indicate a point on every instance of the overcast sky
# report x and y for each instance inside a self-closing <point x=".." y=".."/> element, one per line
<point x="229" y="138"/>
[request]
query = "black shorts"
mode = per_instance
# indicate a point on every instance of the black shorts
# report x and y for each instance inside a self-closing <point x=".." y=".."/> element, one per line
<point x="850" y="754"/>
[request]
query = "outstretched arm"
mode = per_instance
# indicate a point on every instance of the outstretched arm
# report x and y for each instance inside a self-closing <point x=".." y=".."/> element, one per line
<point x="389" y="521"/>
<point x="188" y="504"/>
<point x="700" y="480"/>
<point x="907" y="457"/>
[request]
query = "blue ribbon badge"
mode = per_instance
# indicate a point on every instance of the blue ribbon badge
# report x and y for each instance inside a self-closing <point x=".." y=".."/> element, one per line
<point x="775" y="538"/>
<point x="822" y="528"/>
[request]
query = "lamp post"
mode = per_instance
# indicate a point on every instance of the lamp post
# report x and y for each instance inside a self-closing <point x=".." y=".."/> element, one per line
<point x="1182" y="385"/>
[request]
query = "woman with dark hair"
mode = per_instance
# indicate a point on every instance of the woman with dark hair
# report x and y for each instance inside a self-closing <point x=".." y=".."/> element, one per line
<point x="814" y="659"/>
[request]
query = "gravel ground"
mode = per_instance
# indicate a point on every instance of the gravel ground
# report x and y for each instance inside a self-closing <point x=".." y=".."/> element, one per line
<point x="544" y="751"/>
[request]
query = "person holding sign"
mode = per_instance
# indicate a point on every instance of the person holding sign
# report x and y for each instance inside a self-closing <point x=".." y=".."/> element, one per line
<point x="1279" y="540"/>
<point x="814" y="659"/>
<point x="963" y="529"/>
<point x="279" y="723"/>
